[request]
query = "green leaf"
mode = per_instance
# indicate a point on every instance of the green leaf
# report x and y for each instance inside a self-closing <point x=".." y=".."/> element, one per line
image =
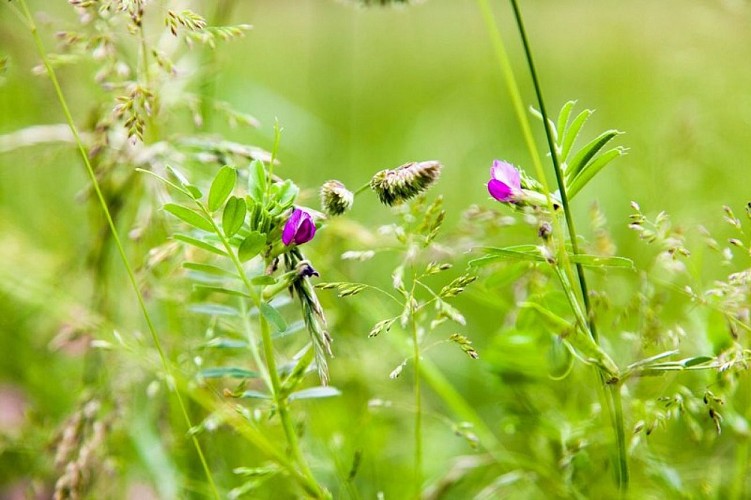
<point x="563" y="117"/>
<point x="195" y="193"/>
<point x="514" y="253"/>
<point x="315" y="392"/>
<point x="199" y="244"/>
<point x="189" y="216"/>
<point x="588" y="152"/>
<point x="599" y="261"/>
<point x="257" y="181"/>
<point x="213" y="309"/>
<point x="229" y="371"/>
<point x="251" y="246"/>
<point x="187" y="187"/>
<point x="256" y="471"/>
<point x="560" y="359"/>
<point x="696" y="360"/>
<point x="273" y="317"/>
<point x="570" y="134"/>
<point x="221" y="187"/>
<point x="254" y="395"/>
<point x="233" y="216"/>
<point x="590" y="170"/>
<point x="227" y="343"/>
<point x="208" y="269"/>
<point x="263" y="280"/>
<point x="291" y="328"/>
<point x="287" y="193"/>
<point x="219" y="289"/>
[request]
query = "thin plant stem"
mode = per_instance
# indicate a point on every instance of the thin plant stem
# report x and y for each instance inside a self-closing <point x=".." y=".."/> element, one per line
<point x="556" y="168"/>
<point x="362" y="188"/>
<point x="207" y="83"/>
<point x="616" y="410"/>
<point x="310" y="483"/>
<point x="253" y="344"/>
<point x="116" y="238"/>
<point x="513" y="89"/>
<point x="418" y="405"/>
<point x="282" y="405"/>
<point x="620" y="437"/>
<point x="455" y="401"/>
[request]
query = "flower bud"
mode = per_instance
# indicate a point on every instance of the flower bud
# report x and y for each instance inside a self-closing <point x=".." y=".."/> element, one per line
<point x="299" y="228"/>
<point x="336" y="198"/>
<point x="395" y="186"/>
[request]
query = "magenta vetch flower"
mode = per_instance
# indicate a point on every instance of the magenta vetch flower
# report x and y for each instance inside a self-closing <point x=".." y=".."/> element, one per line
<point x="505" y="183"/>
<point x="299" y="228"/>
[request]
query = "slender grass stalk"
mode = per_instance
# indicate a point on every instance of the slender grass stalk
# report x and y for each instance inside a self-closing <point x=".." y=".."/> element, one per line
<point x="455" y="401"/>
<point x="513" y="89"/>
<point x="418" y="405"/>
<point x="207" y="83"/>
<point x="116" y="238"/>
<point x="556" y="167"/>
<point x="616" y="410"/>
<point x="152" y="128"/>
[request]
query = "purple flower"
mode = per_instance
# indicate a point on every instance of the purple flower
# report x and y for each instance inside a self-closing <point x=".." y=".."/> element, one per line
<point x="505" y="183"/>
<point x="299" y="228"/>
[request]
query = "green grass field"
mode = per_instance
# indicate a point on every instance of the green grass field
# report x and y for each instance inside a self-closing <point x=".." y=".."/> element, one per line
<point x="95" y="403"/>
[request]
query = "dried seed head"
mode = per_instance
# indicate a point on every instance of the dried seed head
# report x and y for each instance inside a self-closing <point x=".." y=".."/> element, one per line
<point x="395" y="186"/>
<point x="544" y="230"/>
<point x="336" y="198"/>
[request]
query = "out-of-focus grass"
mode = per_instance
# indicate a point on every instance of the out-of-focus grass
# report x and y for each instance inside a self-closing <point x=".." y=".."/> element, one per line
<point x="359" y="90"/>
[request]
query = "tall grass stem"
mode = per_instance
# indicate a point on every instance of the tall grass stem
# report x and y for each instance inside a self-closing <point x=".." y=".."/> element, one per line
<point x="116" y="238"/>
<point x="617" y="405"/>
<point x="418" y="407"/>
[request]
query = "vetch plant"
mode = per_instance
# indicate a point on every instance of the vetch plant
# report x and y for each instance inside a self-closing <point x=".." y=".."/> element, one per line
<point x="512" y="355"/>
<point x="258" y="231"/>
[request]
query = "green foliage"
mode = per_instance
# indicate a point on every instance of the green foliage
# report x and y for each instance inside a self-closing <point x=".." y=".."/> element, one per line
<point x="466" y="362"/>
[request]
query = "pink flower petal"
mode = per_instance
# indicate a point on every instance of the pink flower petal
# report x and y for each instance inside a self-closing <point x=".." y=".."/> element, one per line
<point x="299" y="228"/>
<point x="500" y="191"/>
<point x="290" y="228"/>
<point x="506" y="173"/>
<point x="306" y="231"/>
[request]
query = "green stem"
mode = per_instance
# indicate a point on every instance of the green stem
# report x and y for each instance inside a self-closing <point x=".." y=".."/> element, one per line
<point x="310" y="484"/>
<point x="253" y="345"/>
<point x="556" y="167"/>
<point x="616" y="412"/>
<point x="362" y="188"/>
<point x="282" y="406"/>
<point x="620" y="437"/>
<point x="207" y="80"/>
<point x="418" y="406"/>
<point x="521" y="115"/>
<point x="116" y="238"/>
<point x="152" y="130"/>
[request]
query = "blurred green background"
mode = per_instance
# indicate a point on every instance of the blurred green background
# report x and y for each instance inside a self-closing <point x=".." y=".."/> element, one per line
<point x="357" y="90"/>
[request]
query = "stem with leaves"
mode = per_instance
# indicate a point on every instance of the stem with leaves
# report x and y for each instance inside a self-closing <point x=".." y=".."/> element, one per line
<point x="280" y="399"/>
<point x="617" y="406"/>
